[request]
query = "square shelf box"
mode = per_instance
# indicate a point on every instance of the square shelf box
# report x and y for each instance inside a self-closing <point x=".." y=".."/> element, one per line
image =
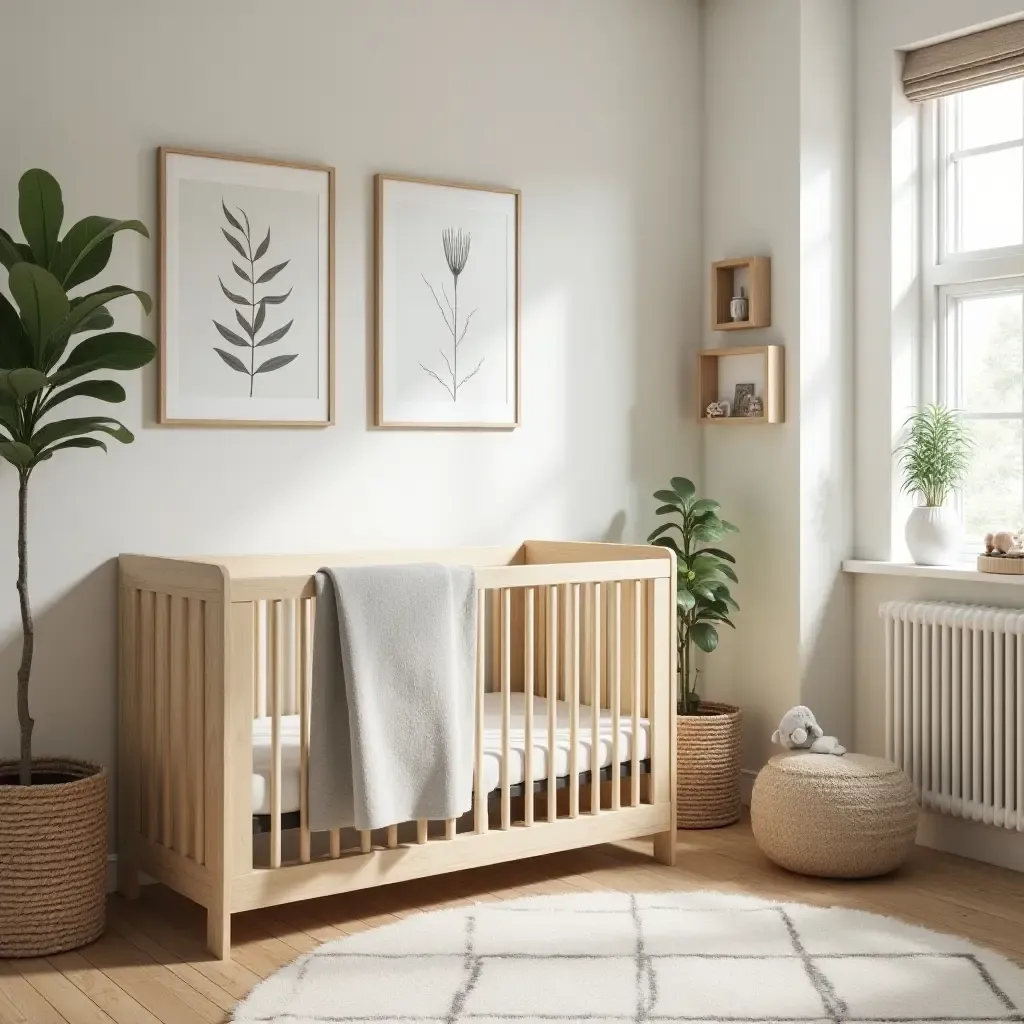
<point x="719" y="370"/>
<point x="754" y="275"/>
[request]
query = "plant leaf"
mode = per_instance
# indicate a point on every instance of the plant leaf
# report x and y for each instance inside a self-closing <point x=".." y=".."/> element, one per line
<point x="232" y="360"/>
<point x="267" y="275"/>
<point x="683" y="487"/>
<point x="16" y="453"/>
<point x="15" y="346"/>
<point x="704" y="505"/>
<point x="41" y="211"/>
<point x="43" y="302"/>
<point x="85" y="249"/>
<point x="231" y="336"/>
<point x="113" y="350"/>
<point x="666" y="510"/>
<point x="261" y="249"/>
<point x="9" y="251"/>
<point x="235" y="243"/>
<point x="275" y="300"/>
<point x="718" y="553"/>
<point x="232" y="296"/>
<point x="100" y="320"/>
<point x="22" y="382"/>
<point x="103" y="390"/>
<point x="246" y="326"/>
<point x="664" y="528"/>
<point x="75" y="442"/>
<point x="231" y="218"/>
<point x="261" y="315"/>
<point x="670" y="543"/>
<point x="241" y="273"/>
<point x="78" y="425"/>
<point x="705" y="636"/>
<point x="82" y="310"/>
<point x="685" y="600"/>
<point x="275" y="335"/>
<point x="670" y="497"/>
<point x="728" y="527"/>
<point x="276" y="362"/>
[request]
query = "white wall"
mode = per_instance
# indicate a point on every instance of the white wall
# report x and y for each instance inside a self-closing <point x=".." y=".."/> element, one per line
<point x="777" y="170"/>
<point x="591" y="107"/>
<point x="887" y="329"/>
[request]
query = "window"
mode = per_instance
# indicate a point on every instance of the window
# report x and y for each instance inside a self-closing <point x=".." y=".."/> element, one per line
<point x="974" y="289"/>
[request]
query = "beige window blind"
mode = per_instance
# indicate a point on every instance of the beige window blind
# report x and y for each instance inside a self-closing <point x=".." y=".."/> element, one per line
<point x="966" y="62"/>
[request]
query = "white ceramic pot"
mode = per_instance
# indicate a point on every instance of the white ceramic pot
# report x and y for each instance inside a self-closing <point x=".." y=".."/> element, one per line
<point x="934" y="535"/>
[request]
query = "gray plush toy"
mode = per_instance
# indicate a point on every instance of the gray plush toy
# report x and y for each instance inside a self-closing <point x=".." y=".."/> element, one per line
<point x="799" y="730"/>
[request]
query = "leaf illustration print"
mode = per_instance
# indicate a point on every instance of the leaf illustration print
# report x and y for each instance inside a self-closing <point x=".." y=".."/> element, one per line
<point x="456" y="244"/>
<point x="251" y="314"/>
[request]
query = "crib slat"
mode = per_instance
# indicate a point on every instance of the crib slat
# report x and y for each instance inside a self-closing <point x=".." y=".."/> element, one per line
<point x="479" y="784"/>
<point x="262" y="609"/>
<point x="574" y="705"/>
<point x="595" y="701"/>
<point x="551" y="647"/>
<point x="422" y="830"/>
<point x="179" y="727"/>
<point x="302" y="681"/>
<point x="638" y="668"/>
<point x="528" y="681"/>
<point x="506" y="709"/>
<point x="365" y="841"/>
<point x="615" y="687"/>
<point x="274" y="688"/>
<point x="449" y="828"/>
<point x="392" y="837"/>
<point x="147" y="718"/>
<point x="335" y="842"/>
<point x="196" y="727"/>
<point x="163" y="711"/>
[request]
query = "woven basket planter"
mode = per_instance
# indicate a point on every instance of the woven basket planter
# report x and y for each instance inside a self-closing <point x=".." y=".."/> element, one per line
<point x="53" y="858"/>
<point x="708" y="767"/>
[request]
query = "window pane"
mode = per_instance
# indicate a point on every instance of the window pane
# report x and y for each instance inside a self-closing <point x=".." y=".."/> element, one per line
<point x="991" y="115"/>
<point x="992" y="493"/>
<point x="991" y="207"/>
<point x="992" y="353"/>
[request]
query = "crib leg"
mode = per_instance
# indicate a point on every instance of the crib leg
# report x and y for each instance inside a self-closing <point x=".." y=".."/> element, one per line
<point x="127" y="878"/>
<point x="218" y="932"/>
<point x="665" y="847"/>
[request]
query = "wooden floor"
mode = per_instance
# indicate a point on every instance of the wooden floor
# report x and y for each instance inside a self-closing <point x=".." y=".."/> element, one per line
<point x="151" y="965"/>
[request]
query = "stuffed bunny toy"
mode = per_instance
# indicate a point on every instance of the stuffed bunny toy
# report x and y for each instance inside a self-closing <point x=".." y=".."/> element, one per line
<point x="799" y="730"/>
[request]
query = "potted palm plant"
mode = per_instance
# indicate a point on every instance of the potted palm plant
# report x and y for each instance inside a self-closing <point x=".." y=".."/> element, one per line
<point x="53" y="811"/>
<point x="708" y="733"/>
<point x="934" y="459"/>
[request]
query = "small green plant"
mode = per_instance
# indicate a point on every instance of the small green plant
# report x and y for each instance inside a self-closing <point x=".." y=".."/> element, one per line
<point x="703" y="600"/>
<point x="936" y="455"/>
<point x="42" y="365"/>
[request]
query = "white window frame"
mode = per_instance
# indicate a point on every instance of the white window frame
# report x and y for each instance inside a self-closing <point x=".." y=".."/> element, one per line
<point x="947" y="276"/>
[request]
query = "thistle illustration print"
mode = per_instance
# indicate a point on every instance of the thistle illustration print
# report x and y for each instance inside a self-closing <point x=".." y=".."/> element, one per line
<point x="456" y="245"/>
<point x="251" y="302"/>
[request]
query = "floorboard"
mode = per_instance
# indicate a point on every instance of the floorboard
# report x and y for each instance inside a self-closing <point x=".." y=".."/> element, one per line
<point x="151" y="967"/>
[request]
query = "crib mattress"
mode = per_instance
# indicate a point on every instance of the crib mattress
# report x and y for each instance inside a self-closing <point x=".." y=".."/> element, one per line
<point x="262" y="755"/>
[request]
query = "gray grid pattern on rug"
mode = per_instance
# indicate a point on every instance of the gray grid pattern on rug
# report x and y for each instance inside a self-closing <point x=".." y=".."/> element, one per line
<point x="492" y="964"/>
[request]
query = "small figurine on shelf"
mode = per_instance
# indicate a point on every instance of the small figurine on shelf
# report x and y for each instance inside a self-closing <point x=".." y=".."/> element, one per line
<point x="739" y="307"/>
<point x="1004" y="543"/>
<point x="755" y="407"/>
<point x="716" y="410"/>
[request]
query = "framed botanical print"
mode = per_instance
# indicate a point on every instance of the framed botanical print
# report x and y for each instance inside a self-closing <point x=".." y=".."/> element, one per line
<point x="448" y="305"/>
<point x="247" y="291"/>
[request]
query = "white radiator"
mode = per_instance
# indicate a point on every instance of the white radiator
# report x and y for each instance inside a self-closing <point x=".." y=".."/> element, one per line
<point x="954" y="706"/>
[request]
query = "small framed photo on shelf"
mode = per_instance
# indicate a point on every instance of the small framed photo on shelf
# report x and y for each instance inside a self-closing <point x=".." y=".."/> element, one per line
<point x="742" y="399"/>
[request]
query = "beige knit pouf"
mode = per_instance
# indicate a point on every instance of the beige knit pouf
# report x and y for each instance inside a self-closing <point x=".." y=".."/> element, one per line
<point x="838" y="817"/>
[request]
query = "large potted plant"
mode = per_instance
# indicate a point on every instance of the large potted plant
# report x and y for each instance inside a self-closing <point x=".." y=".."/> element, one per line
<point x="53" y="811"/>
<point x="707" y="733"/>
<point x="934" y="458"/>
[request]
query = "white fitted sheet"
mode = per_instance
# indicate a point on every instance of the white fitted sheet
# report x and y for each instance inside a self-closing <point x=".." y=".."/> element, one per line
<point x="261" y="747"/>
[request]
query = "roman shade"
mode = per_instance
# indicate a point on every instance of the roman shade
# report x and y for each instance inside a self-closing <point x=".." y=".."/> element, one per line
<point x="966" y="62"/>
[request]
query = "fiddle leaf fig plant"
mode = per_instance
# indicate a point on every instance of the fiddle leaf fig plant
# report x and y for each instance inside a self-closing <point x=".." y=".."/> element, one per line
<point x="703" y="574"/>
<point x="44" y="362"/>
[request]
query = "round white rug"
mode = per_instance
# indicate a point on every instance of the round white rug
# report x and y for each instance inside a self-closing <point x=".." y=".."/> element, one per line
<point x="647" y="957"/>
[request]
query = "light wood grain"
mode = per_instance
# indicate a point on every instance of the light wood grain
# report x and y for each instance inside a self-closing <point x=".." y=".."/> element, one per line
<point x="551" y="648"/>
<point x="506" y="710"/>
<point x="758" y="288"/>
<point x="528" y="688"/>
<point x="479" y="783"/>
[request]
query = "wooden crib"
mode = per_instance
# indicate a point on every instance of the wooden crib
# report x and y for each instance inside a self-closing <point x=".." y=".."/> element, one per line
<point x="215" y="668"/>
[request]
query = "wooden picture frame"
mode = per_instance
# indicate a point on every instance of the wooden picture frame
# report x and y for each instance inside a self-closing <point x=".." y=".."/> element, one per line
<point x="203" y="332"/>
<point x="411" y="398"/>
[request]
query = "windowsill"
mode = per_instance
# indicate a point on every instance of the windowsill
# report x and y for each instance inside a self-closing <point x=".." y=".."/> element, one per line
<point x="964" y="571"/>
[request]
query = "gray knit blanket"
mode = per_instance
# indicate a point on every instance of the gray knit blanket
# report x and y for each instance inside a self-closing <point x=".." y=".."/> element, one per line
<point x="391" y="708"/>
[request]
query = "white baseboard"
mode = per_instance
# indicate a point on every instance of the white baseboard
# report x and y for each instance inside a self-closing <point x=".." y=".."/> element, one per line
<point x="998" y="846"/>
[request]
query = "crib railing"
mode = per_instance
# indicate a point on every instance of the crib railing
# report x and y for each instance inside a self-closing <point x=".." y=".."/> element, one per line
<point x="208" y="649"/>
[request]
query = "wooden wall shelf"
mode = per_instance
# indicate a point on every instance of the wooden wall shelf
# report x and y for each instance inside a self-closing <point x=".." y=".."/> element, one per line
<point x="754" y="274"/>
<point x="719" y="370"/>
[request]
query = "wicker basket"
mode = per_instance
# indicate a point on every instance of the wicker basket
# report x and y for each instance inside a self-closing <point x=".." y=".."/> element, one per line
<point x="53" y="859"/>
<point x="708" y="767"/>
